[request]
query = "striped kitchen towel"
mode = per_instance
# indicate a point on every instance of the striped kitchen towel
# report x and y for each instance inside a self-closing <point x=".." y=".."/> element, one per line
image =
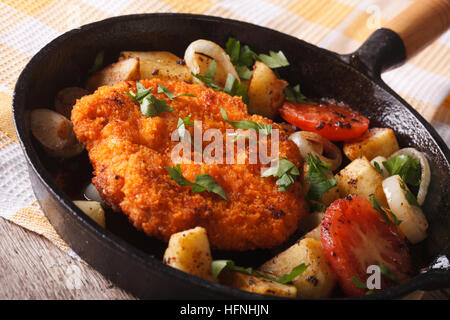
<point x="338" y="25"/>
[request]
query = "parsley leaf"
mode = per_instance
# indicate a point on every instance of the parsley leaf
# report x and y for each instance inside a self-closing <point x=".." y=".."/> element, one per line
<point x="241" y="57"/>
<point x="412" y="200"/>
<point x="152" y="106"/>
<point x="387" y="214"/>
<point x="170" y="94"/>
<point x="274" y="59"/>
<point x="217" y="266"/>
<point x="265" y="129"/>
<point x="358" y="283"/>
<point x="318" y="173"/>
<point x="385" y="271"/>
<point x="234" y="88"/>
<point x="378" y="167"/>
<point x="407" y="167"/>
<point x="286" y="172"/>
<point x="293" y="94"/>
<point x="208" y="77"/>
<point x="203" y="182"/>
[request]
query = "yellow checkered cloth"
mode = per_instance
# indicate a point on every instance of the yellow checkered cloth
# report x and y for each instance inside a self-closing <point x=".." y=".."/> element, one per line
<point x="338" y="25"/>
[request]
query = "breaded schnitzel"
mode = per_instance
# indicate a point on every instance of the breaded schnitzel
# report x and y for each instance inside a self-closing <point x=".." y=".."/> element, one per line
<point x="129" y="152"/>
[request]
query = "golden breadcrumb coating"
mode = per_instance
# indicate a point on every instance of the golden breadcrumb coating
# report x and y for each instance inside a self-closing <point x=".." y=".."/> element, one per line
<point x="129" y="152"/>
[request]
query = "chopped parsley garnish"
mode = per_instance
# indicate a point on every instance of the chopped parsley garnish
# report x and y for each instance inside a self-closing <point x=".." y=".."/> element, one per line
<point x="265" y="129"/>
<point x="285" y="171"/>
<point x="378" y="167"/>
<point x="385" y="271"/>
<point x="358" y="283"/>
<point x="387" y="214"/>
<point x="234" y="88"/>
<point x="241" y="57"/>
<point x="412" y="200"/>
<point x="150" y="105"/>
<point x="170" y="94"/>
<point x="274" y="59"/>
<point x="203" y="182"/>
<point x="217" y="266"/>
<point x="98" y="62"/>
<point x="318" y="173"/>
<point x="406" y="167"/>
<point x="293" y="94"/>
<point x="208" y="77"/>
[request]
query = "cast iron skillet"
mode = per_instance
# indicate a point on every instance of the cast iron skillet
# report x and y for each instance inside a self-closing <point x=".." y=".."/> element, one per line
<point x="133" y="261"/>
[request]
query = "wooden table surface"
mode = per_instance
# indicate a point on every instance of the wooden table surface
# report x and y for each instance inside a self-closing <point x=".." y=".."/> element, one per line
<point x="33" y="268"/>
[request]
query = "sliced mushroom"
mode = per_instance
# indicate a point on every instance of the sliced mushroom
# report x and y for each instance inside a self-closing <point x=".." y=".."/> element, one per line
<point x="200" y="53"/>
<point x="66" y="99"/>
<point x="55" y="133"/>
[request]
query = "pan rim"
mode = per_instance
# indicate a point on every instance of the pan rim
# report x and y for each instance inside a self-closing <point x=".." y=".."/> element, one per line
<point x="121" y="245"/>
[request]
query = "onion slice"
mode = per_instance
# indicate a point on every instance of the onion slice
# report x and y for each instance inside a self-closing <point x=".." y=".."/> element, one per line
<point x="425" y="169"/>
<point x="196" y="62"/>
<point x="311" y="142"/>
<point x="413" y="222"/>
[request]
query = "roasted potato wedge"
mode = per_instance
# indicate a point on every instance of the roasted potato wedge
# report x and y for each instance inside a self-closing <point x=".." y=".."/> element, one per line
<point x="93" y="209"/>
<point x="66" y="98"/>
<point x="374" y="142"/>
<point x="159" y="64"/>
<point x="314" y="233"/>
<point x="362" y="179"/>
<point x="189" y="251"/>
<point x="256" y="284"/>
<point x="126" y="69"/>
<point x="265" y="91"/>
<point x="55" y="133"/>
<point x="317" y="281"/>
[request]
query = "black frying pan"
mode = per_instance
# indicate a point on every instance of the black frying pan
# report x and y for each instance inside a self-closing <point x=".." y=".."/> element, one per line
<point x="132" y="260"/>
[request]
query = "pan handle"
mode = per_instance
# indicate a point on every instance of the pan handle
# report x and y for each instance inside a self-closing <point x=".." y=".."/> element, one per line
<point x="404" y="36"/>
<point x="437" y="275"/>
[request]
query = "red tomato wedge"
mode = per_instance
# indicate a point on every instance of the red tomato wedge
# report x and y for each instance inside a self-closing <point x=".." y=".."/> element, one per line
<point x="332" y="120"/>
<point x="354" y="236"/>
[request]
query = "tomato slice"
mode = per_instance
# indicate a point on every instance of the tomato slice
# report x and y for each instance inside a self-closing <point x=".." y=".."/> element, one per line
<point x="354" y="236"/>
<point x="332" y="120"/>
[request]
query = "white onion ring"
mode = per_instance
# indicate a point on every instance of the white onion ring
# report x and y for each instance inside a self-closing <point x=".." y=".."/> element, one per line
<point x="212" y="50"/>
<point x="425" y="169"/>
<point x="414" y="224"/>
<point x="311" y="142"/>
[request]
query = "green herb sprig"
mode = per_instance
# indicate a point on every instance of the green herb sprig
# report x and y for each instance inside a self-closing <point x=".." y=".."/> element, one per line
<point x="285" y="171"/>
<point x="265" y="129"/>
<point x="218" y="266"/>
<point x="406" y="166"/>
<point x="318" y="173"/>
<point x="387" y="214"/>
<point x="203" y="182"/>
<point x="149" y="104"/>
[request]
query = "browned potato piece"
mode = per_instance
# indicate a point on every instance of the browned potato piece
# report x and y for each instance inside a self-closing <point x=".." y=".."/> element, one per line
<point x="127" y="69"/>
<point x="66" y="99"/>
<point x="189" y="251"/>
<point x="265" y="91"/>
<point x="55" y="133"/>
<point x="362" y="179"/>
<point x="256" y="284"/>
<point x="159" y="64"/>
<point x="314" y="233"/>
<point x="93" y="209"/>
<point x="317" y="281"/>
<point x="374" y="142"/>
